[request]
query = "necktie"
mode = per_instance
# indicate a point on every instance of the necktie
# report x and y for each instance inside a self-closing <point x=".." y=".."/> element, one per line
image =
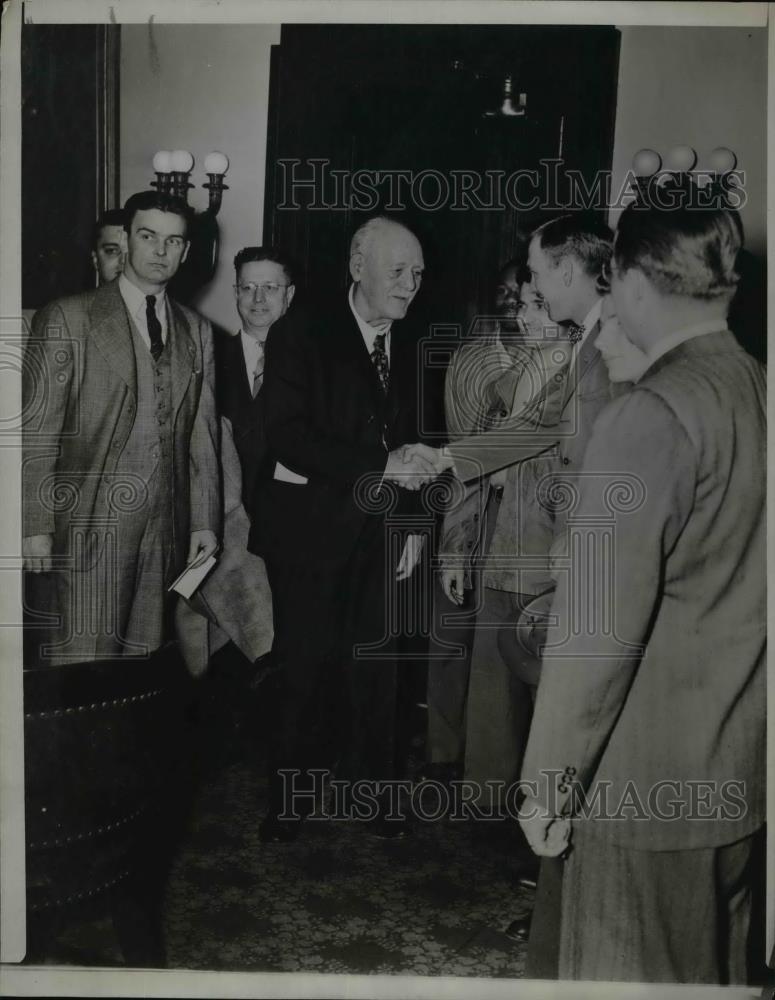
<point x="258" y="374"/>
<point x="380" y="359"/>
<point x="576" y="333"/>
<point x="154" y="327"/>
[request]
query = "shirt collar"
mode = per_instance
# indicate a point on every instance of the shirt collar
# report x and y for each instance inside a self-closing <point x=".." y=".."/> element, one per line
<point x="592" y="317"/>
<point x="135" y="297"/>
<point x="682" y="335"/>
<point x="368" y="332"/>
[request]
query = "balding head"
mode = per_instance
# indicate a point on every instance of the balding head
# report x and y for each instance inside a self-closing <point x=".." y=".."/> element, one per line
<point x="386" y="264"/>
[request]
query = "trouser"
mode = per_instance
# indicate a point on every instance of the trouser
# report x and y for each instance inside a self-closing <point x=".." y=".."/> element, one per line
<point x="657" y="916"/>
<point x="449" y="666"/>
<point x="499" y="704"/>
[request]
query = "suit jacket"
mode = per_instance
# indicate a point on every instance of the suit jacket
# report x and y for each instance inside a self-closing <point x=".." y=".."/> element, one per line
<point x="328" y="420"/>
<point x="483" y="389"/>
<point x="79" y="387"/>
<point x="669" y="687"/>
<point x="234" y="602"/>
<point x="234" y="397"/>
<point x="557" y="428"/>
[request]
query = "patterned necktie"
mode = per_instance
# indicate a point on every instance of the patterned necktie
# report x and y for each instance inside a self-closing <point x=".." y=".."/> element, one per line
<point x="154" y="327"/>
<point x="258" y="374"/>
<point x="381" y="363"/>
<point x="576" y="333"/>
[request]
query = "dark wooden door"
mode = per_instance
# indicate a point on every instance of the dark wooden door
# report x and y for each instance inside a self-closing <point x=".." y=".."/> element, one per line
<point x="368" y="101"/>
<point x="69" y="152"/>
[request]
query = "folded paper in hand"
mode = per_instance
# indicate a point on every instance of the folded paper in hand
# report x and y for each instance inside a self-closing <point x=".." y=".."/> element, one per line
<point x="192" y="576"/>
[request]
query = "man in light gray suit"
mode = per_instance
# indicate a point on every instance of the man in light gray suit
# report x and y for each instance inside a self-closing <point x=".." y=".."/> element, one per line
<point x="121" y="483"/>
<point x="647" y="749"/>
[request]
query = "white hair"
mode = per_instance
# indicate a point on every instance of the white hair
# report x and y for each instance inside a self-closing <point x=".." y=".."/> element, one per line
<point x="363" y="237"/>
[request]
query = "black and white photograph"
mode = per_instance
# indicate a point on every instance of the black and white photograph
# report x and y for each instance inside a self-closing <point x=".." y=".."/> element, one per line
<point x="383" y="407"/>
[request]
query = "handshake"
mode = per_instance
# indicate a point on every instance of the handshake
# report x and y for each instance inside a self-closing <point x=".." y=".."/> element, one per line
<point x="414" y="465"/>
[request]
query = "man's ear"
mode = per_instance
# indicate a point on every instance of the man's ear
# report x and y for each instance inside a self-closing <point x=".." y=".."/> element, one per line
<point x="356" y="266"/>
<point x="94" y="261"/>
<point x="123" y="241"/>
<point x="566" y="270"/>
<point x="185" y="252"/>
<point x="290" y="291"/>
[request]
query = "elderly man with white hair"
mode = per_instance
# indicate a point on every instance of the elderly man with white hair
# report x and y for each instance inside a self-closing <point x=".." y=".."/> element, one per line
<point x="341" y="397"/>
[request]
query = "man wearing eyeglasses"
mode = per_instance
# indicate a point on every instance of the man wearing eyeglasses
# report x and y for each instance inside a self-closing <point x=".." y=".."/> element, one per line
<point x="264" y="290"/>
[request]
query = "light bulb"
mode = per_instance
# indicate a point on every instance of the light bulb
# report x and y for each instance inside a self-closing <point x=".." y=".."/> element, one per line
<point x="182" y="161"/>
<point x="216" y="163"/>
<point x="722" y="160"/>
<point x="681" y="159"/>
<point x="162" y="162"/>
<point x="646" y="162"/>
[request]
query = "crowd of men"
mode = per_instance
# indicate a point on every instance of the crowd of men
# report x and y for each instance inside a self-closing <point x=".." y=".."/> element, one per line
<point x="598" y="626"/>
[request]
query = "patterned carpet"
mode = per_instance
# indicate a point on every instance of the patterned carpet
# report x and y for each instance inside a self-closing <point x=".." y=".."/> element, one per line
<point x="338" y="900"/>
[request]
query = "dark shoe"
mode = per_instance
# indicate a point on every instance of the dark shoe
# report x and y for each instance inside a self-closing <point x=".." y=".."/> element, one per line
<point x="274" y="830"/>
<point x="391" y="829"/>
<point x="519" y="929"/>
<point x="441" y="772"/>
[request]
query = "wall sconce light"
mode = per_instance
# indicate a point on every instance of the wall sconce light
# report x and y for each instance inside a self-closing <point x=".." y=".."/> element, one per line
<point x="172" y="171"/>
<point x="508" y="109"/>
<point x="678" y="175"/>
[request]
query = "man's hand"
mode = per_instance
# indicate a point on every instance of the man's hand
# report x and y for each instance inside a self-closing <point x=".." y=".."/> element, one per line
<point x="409" y="557"/>
<point x="203" y="544"/>
<point x="452" y="583"/>
<point x="36" y="553"/>
<point x="548" y="835"/>
<point x="411" y="466"/>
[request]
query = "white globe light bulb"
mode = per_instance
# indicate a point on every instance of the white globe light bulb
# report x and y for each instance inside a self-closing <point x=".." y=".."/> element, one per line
<point x="162" y="162"/>
<point x="646" y="162"/>
<point x="722" y="160"/>
<point x="182" y="161"/>
<point x="681" y="159"/>
<point x="216" y="163"/>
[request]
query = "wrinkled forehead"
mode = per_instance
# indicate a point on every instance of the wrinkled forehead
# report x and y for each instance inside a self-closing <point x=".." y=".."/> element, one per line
<point x="397" y="247"/>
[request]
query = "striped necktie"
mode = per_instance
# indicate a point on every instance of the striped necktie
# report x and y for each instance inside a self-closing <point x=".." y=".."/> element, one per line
<point x="258" y="373"/>
<point x="380" y="360"/>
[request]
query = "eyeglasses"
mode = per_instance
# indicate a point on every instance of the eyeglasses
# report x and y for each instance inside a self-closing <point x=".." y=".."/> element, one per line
<point x="251" y="287"/>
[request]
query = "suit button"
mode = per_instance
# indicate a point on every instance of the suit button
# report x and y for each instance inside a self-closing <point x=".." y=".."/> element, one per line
<point x="476" y="517"/>
<point x="469" y="545"/>
<point x="503" y="413"/>
<point x="566" y="461"/>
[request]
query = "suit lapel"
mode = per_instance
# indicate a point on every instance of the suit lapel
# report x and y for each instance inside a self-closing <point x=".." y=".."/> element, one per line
<point x="235" y="375"/>
<point x="182" y="352"/>
<point x="351" y="346"/>
<point x="111" y="333"/>
<point x="588" y="356"/>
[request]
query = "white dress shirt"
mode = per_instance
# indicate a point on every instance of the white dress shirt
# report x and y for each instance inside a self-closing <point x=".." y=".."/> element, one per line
<point x="134" y="300"/>
<point x="253" y="353"/>
<point x="369" y="332"/>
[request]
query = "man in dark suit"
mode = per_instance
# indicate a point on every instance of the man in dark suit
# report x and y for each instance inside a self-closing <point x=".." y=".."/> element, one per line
<point x="264" y="289"/>
<point x="648" y="739"/>
<point x="341" y="405"/>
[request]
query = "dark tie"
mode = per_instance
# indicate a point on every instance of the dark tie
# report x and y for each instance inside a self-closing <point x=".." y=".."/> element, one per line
<point x="258" y="373"/>
<point x="576" y="333"/>
<point x="380" y="359"/>
<point x="154" y="327"/>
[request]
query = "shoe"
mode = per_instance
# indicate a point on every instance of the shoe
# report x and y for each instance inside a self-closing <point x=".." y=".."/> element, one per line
<point x="519" y="929"/>
<point x="274" y="830"/>
<point x="390" y="829"/>
<point x="440" y="772"/>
